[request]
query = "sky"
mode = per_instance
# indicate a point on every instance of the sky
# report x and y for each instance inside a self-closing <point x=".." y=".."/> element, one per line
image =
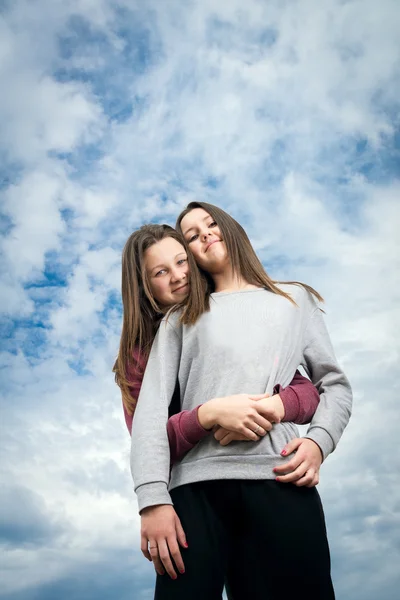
<point x="114" y="113"/>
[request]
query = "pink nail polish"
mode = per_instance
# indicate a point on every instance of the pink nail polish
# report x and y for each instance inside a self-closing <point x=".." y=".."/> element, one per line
<point x="186" y="545"/>
<point x="283" y="452"/>
<point x="182" y="572"/>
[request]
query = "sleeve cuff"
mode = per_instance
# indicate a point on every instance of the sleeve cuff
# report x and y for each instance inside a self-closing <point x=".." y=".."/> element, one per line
<point x="322" y="438"/>
<point x="290" y="402"/>
<point x="191" y="427"/>
<point x="152" y="494"/>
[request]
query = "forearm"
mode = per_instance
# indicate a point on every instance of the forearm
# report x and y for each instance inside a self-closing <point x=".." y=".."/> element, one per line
<point x="300" y="399"/>
<point x="184" y="432"/>
<point x="334" y="409"/>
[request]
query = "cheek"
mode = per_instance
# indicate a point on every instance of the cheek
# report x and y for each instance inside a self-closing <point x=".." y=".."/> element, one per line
<point x="159" y="289"/>
<point x="195" y="249"/>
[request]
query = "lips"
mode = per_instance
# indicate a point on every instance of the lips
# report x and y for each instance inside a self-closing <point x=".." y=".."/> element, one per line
<point x="211" y="243"/>
<point x="181" y="288"/>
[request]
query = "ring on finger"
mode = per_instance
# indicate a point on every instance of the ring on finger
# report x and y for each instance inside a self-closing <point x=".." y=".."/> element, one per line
<point x="258" y="430"/>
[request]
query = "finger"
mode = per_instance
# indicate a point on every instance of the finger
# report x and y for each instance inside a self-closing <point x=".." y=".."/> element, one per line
<point x="262" y="422"/>
<point x="306" y="480"/>
<point x="144" y="546"/>
<point x="289" y="467"/>
<point x="180" y="534"/>
<point x="314" y="482"/>
<point x="166" y="559"/>
<point x="220" y="433"/>
<point x="294" y="476"/>
<point x="176" y="554"/>
<point x="153" y="549"/>
<point x="259" y="396"/>
<point x="235" y="437"/>
<point x="250" y="434"/>
<point x="291" y="446"/>
<point x="227" y="439"/>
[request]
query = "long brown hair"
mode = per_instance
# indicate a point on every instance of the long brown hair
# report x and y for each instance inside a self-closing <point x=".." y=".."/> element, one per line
<point x="141" y="313"/>
<point x="243" y="258"/>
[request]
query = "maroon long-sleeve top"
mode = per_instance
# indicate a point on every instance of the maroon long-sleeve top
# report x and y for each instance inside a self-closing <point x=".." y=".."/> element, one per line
<point x="300" y="400"/>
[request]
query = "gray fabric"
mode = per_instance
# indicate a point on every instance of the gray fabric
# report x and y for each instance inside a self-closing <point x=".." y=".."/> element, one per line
<point x="248" y="342"/>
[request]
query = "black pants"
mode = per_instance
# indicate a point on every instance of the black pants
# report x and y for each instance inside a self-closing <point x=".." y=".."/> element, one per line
<point x="264" y="539"/>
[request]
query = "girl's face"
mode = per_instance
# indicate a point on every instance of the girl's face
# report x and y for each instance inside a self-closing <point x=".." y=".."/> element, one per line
<point x="167" y="271"/>
<point x="205" y="240"/>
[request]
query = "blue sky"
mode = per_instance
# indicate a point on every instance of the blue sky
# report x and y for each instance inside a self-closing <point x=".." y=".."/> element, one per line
<point x="114" y="113"/>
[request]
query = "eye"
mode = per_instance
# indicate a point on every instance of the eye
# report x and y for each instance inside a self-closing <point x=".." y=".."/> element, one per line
<point x="160" y="272"/>
<point x="193" y="238"/>
<point x="213" y="224"/>
<point x="182" y="261"/>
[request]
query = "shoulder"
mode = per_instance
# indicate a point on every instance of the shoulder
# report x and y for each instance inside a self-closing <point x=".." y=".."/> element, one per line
<point x="303" y="298"/>
<point x="170" y="324"/>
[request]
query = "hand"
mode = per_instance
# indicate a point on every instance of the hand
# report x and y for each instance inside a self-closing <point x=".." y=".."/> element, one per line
<point x="274" y="408"/>
<point x="240" y="413"/>
<point x="225" y="437"/>
<point x="161" y="531"/>
<point x="274" y="412"/>
<point x="303" y="468"/>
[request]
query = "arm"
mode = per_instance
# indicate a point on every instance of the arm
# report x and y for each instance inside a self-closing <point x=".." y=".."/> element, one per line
<point x="334" y="410"/>
<point x="240" y="413"/>
<point x="161" y="530"/>
<point x="150" y="457"/>
<point x="134" y="374"/>
<point x="300" y="399"/>
<point x="184" y="431"/>
<point x="296" y="403"/>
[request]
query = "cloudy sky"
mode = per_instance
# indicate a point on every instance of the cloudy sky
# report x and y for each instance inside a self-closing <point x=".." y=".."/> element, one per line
<point x="118" y="112"/>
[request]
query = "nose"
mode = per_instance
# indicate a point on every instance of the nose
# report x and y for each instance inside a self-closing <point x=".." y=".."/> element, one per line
<point x="177" y="274"/>
<point x="205" y="235"/>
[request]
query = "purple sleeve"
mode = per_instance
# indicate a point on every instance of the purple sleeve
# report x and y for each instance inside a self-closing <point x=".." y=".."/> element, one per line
<point x="300" y="399"/>
<point x="128" y="419"/>
<point x="134" y="374"/>
<point x="184" y="431"/>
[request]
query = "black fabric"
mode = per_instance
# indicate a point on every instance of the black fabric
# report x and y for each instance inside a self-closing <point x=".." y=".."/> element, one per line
<point x="175" y="404"/>
<point x="265" y="539"/>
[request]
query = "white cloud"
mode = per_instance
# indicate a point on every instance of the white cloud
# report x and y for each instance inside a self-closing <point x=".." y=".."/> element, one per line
<point x="282" y="113"/>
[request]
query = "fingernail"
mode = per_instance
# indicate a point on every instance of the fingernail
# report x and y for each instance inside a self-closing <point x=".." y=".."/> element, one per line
<point x="283" y="452"/>
<point x="186" y="545"/>
<point x="182" y="572"/>
<point x="277" y="479"/>
<point x="174" y="577"/>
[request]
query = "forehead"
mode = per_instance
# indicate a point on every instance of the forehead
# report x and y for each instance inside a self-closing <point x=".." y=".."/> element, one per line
<point x="193" y="218"/>
<point x="162" y="252"/>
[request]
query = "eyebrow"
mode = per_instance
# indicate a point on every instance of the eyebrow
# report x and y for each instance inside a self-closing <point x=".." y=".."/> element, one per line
<point x="190" y="228"/>
<point x="162" y="265"/>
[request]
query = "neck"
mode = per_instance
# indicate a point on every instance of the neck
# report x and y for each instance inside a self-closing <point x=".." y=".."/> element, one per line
<point x="228" y="281"/>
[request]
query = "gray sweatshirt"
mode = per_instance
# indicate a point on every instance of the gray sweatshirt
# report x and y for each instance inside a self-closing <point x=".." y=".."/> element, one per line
<point x="249" y="341"/>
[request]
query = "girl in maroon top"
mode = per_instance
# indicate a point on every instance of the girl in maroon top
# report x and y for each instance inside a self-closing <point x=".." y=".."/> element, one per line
<point x="155" y="276"/>
<point x="146" y="297"/>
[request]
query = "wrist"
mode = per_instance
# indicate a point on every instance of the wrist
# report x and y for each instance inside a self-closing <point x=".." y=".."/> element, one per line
<point x="206" y="415"/>
<point x="279" y="406"/>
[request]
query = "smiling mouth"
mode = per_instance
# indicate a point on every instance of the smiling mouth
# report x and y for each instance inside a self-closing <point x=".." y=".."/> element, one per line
<point x="182" y="288"/>
<point x="212" y="244"/>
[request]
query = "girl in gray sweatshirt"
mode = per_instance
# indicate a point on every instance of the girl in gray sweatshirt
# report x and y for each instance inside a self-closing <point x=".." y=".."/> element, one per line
<point x="248" y="332"/>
